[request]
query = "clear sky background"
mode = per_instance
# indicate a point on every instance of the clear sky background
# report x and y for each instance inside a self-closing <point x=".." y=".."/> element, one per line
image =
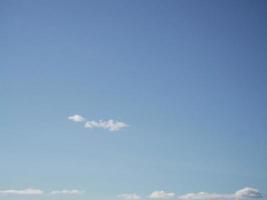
<point x="188" y="77"/>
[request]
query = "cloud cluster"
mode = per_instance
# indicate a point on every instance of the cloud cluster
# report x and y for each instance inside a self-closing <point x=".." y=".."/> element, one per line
<point x="243" y="194"/>
<point x="34" y="191"/>
<point x="110" y="124"/>
<point x="27" y="191"/>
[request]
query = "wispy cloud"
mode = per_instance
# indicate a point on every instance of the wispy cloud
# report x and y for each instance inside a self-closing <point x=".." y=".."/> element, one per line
<point x="27" y="191"/>
<point x="205" y="196"/>
<point x="129" y="196"/>
<point x="161" y="195"/>
<point x="66" y="192"/>
<point x="111" y="125"/>
<point x="246" y="193"/>
<point x="35" y="192"/>
<point x="106" y="124"/>
<point x="76" y="118"/>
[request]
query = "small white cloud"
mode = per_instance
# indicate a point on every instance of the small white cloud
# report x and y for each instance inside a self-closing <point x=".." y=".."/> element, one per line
<point x="161" y="195"/>
<point x="129" y="196"/>
<point x="106" y="124"/>
<point x="76" y="118"/>
<point x="27" y="191"/>
<point x="66" y="192"/>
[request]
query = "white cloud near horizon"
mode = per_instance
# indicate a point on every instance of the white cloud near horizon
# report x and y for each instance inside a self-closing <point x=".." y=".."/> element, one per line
<point x="161" y="195"/>
<point x="76" y="118"/>
<point x="246" y="193"/>
<point x="129" y="196"/>
<point x="27" y="191"/>
<point x="205" y="196"/>
<point x="36" y="192"/>
<point x="66" y="192"/>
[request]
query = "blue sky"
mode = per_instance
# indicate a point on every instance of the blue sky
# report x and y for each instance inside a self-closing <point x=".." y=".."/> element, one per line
<point x="187" y="79"/>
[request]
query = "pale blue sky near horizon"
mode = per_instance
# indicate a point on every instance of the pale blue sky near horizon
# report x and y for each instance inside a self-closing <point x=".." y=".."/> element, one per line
<point x="189" y="77"/>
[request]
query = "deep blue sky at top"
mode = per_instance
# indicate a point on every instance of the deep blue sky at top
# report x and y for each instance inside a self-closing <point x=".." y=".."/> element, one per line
<point x="188" y="76"/>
